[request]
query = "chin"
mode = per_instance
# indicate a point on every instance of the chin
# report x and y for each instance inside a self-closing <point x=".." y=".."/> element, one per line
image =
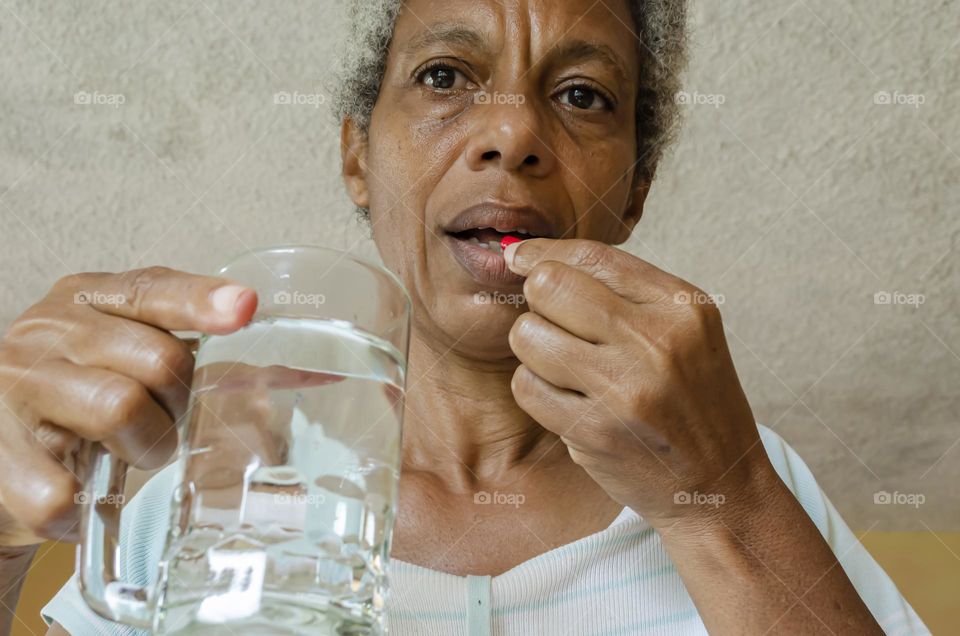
<point x="480" y="322"/>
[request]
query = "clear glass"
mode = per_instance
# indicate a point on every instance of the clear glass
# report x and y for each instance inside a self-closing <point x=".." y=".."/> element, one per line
<point x="287" y="467"/>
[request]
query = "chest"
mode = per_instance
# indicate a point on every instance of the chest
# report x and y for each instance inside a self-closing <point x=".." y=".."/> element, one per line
<point x="486" y="533"/>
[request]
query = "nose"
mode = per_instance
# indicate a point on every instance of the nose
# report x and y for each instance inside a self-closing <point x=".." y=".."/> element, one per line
<point x="510" y="137"/>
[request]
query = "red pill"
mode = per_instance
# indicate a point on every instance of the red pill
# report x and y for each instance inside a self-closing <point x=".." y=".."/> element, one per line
<point x="509" y="239"/>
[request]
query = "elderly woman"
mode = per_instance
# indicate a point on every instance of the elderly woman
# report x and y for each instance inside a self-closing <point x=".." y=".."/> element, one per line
<point x="606" y="398"/>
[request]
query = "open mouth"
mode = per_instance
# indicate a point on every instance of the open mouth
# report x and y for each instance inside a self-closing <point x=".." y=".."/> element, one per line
<point x="489" y="238"/>
<point x="474" y="237"/>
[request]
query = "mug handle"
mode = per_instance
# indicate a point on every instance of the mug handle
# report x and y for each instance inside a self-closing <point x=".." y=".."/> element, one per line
<point x="99" y="549"/>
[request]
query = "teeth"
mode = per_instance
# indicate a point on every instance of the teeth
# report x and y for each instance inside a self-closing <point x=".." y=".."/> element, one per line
<point x="493" y="246"/>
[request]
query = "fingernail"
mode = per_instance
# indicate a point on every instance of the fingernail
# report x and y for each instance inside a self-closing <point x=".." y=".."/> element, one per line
<point x="509" y="247"/>
<point x="224" y="299"/>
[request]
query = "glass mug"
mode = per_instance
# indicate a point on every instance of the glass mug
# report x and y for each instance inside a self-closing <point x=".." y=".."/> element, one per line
<point x="287" y="467"/>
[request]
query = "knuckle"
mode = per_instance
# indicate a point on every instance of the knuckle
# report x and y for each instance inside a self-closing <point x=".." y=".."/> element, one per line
<point x="667" y="357"/>
<point x="527" y="393"/>
<point x="20" y="369"/>
<point x="615" y="320"/>
<point x="52" y="503"/>
<point x="698" y="309"/>
<point x="39" y="318"/>
<point x="609" y="364"/>
<point x="520" y="382"/>
<point x="514" y="337"/>
<point x="684" y="312"/>
<point x="169" y="363"/>
<point x="521" y="327"/>
<point x="17" y="374"/>
<point x="57" y="441"/>
<point x="605" y="439"/>
<point x="592" y="254"/>
<point x="546" y="278"/>
<point x="70" y="282"/>
<point x="701" y="319"/>
<point x="137" y="283"/>
<point x="633" y="400"/>
<point x="121" y="400"/>
<point x="9" y="363"/>
<point x="710" y="316"/>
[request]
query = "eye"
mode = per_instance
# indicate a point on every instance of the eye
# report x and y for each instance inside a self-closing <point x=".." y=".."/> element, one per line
<point x="442" y="77"/>
<point x="585" y="98"/>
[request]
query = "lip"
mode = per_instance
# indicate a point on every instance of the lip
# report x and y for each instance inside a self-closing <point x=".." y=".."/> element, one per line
<point x="484" y="266"/>
<point x="498" y="215"/>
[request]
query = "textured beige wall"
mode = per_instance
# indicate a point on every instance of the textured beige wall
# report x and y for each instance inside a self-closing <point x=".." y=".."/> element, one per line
<point x="797" y="198"/>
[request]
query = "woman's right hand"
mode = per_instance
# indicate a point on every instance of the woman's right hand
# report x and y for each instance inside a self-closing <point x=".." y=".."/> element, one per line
<point x="95" y="360"/>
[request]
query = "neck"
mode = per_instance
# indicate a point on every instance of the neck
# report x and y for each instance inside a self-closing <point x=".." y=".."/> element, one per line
<point x="462" y="424"/>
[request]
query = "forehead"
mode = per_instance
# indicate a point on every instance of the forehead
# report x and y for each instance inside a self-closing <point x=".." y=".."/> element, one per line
<point x="493" y="26"/>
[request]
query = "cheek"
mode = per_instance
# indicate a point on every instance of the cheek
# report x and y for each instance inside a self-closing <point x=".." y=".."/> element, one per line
<point x="410" y="168"/>
<point x="396" y="240"/>
<point x="412" y="150"/>
<point x="395" y="213"/>
<point x="602" y="190"/>
<point x="399" y="235"/>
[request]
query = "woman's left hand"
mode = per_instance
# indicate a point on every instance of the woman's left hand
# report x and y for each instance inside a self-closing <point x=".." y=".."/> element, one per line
<point x="630" y="367"/>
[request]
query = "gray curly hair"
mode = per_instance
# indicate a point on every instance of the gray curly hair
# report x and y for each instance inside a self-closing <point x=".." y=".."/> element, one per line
<point x="660" y="25"/>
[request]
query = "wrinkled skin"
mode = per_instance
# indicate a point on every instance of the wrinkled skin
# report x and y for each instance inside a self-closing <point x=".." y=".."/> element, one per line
<point x="602" y="390"/>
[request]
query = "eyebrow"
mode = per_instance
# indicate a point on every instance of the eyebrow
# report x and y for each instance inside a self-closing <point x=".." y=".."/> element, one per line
<point x="584" y="51"/>
<point x="572" y="50"/>
<point x="447" y="34"/>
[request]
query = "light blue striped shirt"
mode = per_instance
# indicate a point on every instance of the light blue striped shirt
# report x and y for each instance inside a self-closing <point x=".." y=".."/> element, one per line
<point x="617" y="582"/>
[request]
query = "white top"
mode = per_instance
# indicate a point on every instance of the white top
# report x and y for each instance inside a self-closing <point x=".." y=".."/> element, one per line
<point x="619" y="581"/>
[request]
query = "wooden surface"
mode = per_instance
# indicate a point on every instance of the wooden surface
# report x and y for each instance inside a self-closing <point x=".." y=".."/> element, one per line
<point x="925" y="566"/>
<point x="51" y="568"/>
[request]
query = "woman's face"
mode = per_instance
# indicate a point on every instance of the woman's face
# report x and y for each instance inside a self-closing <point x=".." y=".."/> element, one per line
<point x="506" y="114"/>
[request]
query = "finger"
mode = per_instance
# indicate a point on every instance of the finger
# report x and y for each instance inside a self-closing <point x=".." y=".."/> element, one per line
<point x="35" y="487"/>
<point x="574" y="301"/>
<point x="625" y="274"/>
<point x="245" y="428"/>
<point x="234" y="376"/>
<point x="551" y="353"/>
<point x="166" y="298"/>
<point x="156" y="359"/>
<point x="557" y="410"/>
<point x="394" y="395"/>
<point x="102" y="406"/>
